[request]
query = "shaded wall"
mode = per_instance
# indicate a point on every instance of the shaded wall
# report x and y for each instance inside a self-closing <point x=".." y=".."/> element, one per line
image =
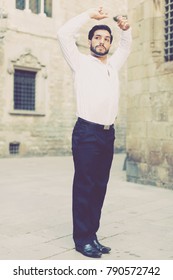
<point x="150" y="98"/>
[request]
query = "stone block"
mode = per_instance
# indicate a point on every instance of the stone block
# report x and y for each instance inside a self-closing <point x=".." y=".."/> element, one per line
<point x="169" y="159"/>
<point x="157" y="130"/>
<point x="153" y="84"/>
<point x="134" y="143"/>
<point x="155" y="158"/>
<point x="143" y="170"/>
<point x="160" y="114"/>
<point x="136" y="58"/>
<point x="170" y="114"/>
<point x="167" y="147"/>
<point x="132" y="170"/>
<point x="165" y="82"/>
<point x="137" y="73"/>
<point x="138" y="129"/>
<point x="170" y="174"/>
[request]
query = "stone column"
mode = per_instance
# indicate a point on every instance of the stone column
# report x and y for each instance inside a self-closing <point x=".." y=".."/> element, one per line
<point x="27" y="9"/>
<point x="42" y="13"/>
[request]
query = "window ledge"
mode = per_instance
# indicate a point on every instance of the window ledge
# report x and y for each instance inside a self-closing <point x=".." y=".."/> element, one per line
<point x="27" y="113"/>
<point x="168" y="66"/>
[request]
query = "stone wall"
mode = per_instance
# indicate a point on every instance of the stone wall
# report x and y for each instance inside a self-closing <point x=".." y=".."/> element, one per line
<point x="150" y="98"/>
<point x="30" y="40"/>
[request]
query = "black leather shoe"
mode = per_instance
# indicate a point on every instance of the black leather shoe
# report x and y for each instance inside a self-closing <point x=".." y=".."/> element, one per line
<point x="89" y="250"/>
<point x="103" y="249"/>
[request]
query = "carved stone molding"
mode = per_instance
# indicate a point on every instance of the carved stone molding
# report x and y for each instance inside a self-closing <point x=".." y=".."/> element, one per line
<point x="27" y="61"/>
<point x="3" y="28"/>
<point x="157" y="4"/>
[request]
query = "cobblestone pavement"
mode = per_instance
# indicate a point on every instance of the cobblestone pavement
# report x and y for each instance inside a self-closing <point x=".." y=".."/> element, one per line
<point x="36" y="222"/>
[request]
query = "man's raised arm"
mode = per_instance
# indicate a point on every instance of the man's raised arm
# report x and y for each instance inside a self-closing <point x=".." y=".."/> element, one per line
<point x="121" y="54"/>
<point x="66" y="34"/>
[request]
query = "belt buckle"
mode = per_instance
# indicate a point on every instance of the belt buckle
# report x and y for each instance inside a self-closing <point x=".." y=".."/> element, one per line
<point x="106" y="127"/>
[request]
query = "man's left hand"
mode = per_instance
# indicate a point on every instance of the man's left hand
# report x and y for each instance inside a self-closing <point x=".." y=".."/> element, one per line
<point x="123" y="23"/>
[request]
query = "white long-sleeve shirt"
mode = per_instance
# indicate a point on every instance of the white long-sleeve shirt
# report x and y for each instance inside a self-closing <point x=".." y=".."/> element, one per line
<point x="96" y="84"/>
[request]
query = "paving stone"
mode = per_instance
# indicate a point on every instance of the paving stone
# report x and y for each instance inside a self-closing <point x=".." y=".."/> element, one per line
<point x="36" y="219"/>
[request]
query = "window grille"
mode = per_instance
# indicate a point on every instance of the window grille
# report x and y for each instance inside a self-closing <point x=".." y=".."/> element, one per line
<point x="24" y="90"/>
<point x="14" y="148"/>
<point x="168" y="30"/>
<point x="20" y="4"/>
<point x="35" y="6"/>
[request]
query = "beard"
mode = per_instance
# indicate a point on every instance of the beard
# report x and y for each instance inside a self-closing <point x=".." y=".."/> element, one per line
<point x="98" y="53"/>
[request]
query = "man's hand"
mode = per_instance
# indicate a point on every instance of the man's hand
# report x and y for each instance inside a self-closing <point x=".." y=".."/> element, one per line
<point x="98" y="14"/>
<point x="122" y="22"/>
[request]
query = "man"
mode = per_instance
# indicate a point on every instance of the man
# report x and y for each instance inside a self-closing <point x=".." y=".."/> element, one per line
<point x="97" y="92"/>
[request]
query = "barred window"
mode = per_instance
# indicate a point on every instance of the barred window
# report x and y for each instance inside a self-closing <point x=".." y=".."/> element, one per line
<point x="35" y="6"/>
<point x="14" y="148"/>
<point x="24" y="90"/>
<point x="20" y="4"/>
<point x="168" y="30"/>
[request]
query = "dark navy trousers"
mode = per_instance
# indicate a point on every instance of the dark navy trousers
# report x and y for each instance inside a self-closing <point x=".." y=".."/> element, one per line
<point x="93" y="148"/>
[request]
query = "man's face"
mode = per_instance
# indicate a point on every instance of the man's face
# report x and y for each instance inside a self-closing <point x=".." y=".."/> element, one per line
<point x="100" y="43"/>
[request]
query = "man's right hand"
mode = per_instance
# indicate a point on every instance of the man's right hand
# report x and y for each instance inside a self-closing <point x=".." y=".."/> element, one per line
<point x="98" y="14"/>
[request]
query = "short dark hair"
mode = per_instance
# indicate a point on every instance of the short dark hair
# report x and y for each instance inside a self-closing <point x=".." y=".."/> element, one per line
<point x="100" y="27"/>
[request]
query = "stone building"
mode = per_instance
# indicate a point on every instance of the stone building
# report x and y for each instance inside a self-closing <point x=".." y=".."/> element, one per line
<point x="37" y="107"/>
<point x="150" y="94"/>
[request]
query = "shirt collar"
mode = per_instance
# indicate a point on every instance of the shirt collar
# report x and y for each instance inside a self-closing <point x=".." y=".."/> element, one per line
<point x="96" y="59"/>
